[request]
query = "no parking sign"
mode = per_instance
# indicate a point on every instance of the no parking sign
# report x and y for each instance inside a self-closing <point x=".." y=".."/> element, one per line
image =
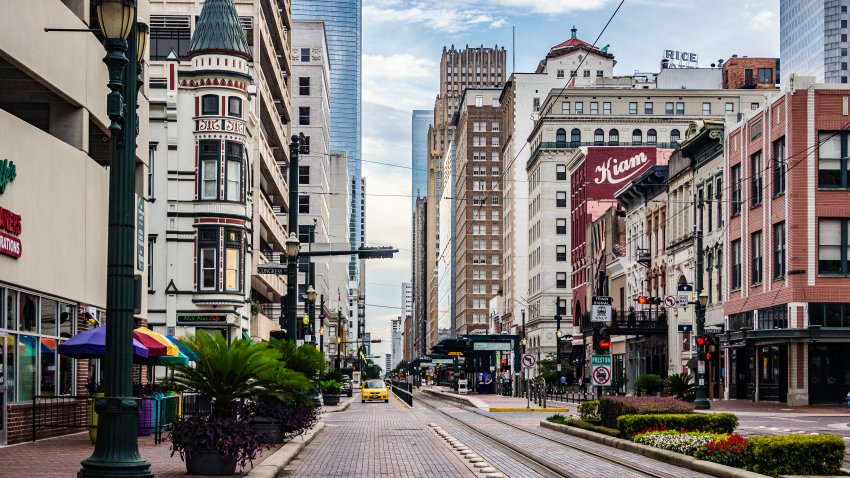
<point x="600" y="370"/>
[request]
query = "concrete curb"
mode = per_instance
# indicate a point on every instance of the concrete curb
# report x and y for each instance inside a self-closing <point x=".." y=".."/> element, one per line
<point x="273" y="465"/>
<point x="677" y="459"/>
<point x="471" y="401"/>
<point x="519" y="409"/>
<point x="339" y="408"/>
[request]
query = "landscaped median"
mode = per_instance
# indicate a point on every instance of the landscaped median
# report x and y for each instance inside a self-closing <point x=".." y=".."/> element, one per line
<point x="705" y="443"/>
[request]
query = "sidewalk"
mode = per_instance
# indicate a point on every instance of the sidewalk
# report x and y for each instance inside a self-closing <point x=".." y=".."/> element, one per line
<point x="496" y="403"/>
<point x="749" y="408"/>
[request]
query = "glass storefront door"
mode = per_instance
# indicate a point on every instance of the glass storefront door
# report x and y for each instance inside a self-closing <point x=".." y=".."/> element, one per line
<point x="828" y="373"/>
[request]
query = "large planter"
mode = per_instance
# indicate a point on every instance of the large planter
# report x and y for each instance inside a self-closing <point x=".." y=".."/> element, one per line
<point x="330" y="399"/>
<point x="271" y="430"/>
<point x="209" y="462"/>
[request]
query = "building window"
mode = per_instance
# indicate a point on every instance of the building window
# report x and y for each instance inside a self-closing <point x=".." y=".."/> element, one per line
<point x="755" y="179"/>
<point x="594" y="107"/>
<point x="572" y="73"/>
<point x="779" y="166"/>
<point x="730" y="107"/>
<point x="561" y="172"/>
<point x="680" y="108"/>
<point x="479" y="102"/>
<point x="207" y="258"/>
<point x="647" y="108"/>
<point x="674" y="137"/>
<point x="151" y="242"/>
<point x="209" y="105"/>
<point x="613" y="137"/>
<point x="833" y="247"/>
<point x="575" y="138"/>
<point x="779" y="250"/>
<point x="754" y="106"/>
<point x="736" y="190"/>
<point x="651" y="137"/>
<point x="599" y="73"/>
<point x="706" y="108"/>
<point x="303" y="174"/>
<point x="304" y="115"/>
<point x="151" y="170"/>
<point x="755" y="248"/>
<point x="561" y="280"/>
<point x="561" y="138"/>
<point x="304" y="86"/>
<point x="765" y="75"/>
<point x="832" y="160"/>
<point x="560" y="226"/>
<point x="586" y="73"/>
<point x="234" y="106"/>
<point x="565" y="108"/>
<point x="234" y="153"/>
<point x="303" y="204"/>
<point x="633" y="108"/>
<point x="209" y="152"/>
<point x="599" y="137"/>
<point x="305" y="55"/>
<point x="606" y="107"/>
<point x="560" y="199"/>
<point x="668" y="108"/>
<point x="637" y="137"/>
<point x="579" y="107"/>
<point x="169" y="33"/>
<point x="560" y="73"/>
<point x="561" y="253"/>
<point x="232" y="260"/>
<point x="736" y="264"/>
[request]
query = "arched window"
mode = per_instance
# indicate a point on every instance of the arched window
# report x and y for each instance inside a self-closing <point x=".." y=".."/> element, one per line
<point x="598" y="137"/>
<point x="561" y="138"/>
<point x="674" y="137"/>
<point x="637" y="137"/>
<point x="575" y="138"/>
<point x="651" y="137"/>
<point x="613" y="137"/>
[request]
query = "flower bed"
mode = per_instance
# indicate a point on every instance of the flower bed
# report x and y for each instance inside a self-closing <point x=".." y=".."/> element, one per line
<point x="610" y="408"/>
<point x="733" y="450"/>
<point x="685" y="443"/>
<point x="630" y="425"/>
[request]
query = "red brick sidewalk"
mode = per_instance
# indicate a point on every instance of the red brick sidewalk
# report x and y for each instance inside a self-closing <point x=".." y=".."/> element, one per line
<point x="61" y="457"/>
<point x="776" y="408"/>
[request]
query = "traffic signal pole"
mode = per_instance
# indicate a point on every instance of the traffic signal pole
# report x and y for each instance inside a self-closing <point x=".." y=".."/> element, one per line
<point x="701" y="402"/>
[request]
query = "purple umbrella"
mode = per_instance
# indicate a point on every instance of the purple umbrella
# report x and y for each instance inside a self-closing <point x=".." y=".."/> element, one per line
<point x="92" y="344"/>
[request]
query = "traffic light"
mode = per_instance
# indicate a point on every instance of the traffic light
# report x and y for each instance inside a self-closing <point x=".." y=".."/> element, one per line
<point x="701" y="348"/>
<point x="646" y="300"/>
<point x="710" y="348"/>
<point x="605" y="339"/>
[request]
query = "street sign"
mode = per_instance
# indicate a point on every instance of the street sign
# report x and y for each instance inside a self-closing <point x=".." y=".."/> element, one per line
<point x="528" y="360"/>
<point x="670" y="301"/>
<point x="497" y="346"/>
<point x="601" y="307"/>
<point x="685" y="314"/>
<point x="271" y="268"/>
<point x="600" y="369"/>
<point x="442" y="361"/>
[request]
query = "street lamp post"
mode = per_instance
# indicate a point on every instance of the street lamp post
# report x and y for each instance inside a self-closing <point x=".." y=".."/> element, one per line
<point x="338" y="360"/>
<point x="701" y="401"/>
<point x="309" y="311"/>
<point x="293" y="247"/>
<point x="116" y="452"/>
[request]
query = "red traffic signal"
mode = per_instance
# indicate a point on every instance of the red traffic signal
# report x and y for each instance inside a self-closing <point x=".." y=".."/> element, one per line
<point x="700" y="341"/>
<point x="643" y="300"/>
<point x="708" y="355"/>
<point x="604" y="344"/>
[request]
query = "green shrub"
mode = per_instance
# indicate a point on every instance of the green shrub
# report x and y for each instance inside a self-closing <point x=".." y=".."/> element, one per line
<point x="589" y="410"/>
<point x="592" y="428"/>
<point x="797" y="455"/>
<point x="680" y="385"/>
<point x="612" y="407"/>
<point x="557" y="418"/>
<point x="649" y="383"/>
<point x="630" y="425"/>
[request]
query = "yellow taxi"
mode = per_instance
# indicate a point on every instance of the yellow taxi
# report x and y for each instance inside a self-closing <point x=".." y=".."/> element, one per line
<point x="374" y="390"/>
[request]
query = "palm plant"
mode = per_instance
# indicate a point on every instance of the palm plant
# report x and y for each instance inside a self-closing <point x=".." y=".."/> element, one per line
<point x="305" y="359"/>
<point x="227" y="371"/>
<point x="679" y="385"/>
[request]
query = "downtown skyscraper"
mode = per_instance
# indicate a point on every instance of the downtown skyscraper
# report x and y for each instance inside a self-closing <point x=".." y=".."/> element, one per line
<point x="813" y="39"/>
<point x="343" y="24"/>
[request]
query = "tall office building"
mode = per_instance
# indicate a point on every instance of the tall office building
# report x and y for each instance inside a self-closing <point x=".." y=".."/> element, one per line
<point x="343" y="20"/>
<point x="397" y="345"/>
<point x="477" y="67"/>
<point x="813" y="39"/>
<point x="419" y="157"/>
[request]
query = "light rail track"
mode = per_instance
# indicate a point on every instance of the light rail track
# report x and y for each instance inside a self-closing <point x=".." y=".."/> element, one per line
<point x="545" y="466"/>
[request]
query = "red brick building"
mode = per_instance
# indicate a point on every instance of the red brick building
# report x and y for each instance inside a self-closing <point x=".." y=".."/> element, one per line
<point x="788" y="248"/>
<point x="743" y="72"/>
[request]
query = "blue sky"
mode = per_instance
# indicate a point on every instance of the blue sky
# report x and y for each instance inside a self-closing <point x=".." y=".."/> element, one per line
<point x="402" y="43"/>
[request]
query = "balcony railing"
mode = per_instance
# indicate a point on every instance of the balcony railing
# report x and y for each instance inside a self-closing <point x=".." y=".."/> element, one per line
<point x="638" y="322"/>
<point x="577" y="144"/>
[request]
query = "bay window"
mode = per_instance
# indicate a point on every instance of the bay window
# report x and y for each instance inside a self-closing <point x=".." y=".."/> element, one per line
<point x="232" y="260"/>
<point x="233" y="155"/>
<point x="207" y="255"/>
<point x="209" y="105"/>
<point x="209" y="152"/>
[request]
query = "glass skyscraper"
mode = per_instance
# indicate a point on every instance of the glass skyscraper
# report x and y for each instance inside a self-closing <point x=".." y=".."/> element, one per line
<point x="343" y="20"/>
<point x="419" y="158"/>
<point x="813" y="39"/>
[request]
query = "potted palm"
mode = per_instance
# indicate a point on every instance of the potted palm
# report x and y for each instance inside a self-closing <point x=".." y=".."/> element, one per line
<point x="228" y="373"/>
<point x="330" y="391"/>
<point x="272" y="409"/>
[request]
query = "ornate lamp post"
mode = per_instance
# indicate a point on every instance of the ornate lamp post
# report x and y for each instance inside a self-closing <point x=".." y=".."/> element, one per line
<point x="116" y="453"/>
<point x="293" y="247"/>
<point x="701" y="401"/>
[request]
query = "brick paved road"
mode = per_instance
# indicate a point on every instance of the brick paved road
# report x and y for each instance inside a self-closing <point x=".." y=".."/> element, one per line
<point x="377" y="440"/>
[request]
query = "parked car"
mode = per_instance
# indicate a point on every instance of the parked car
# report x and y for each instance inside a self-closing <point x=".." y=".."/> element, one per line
<point x="346" y="388"/>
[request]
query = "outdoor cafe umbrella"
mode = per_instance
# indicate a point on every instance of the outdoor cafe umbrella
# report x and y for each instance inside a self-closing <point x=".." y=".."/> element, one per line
<point x="173" y="354"/>
<point x="184" y="347"/>
<point x="92" y="344"/>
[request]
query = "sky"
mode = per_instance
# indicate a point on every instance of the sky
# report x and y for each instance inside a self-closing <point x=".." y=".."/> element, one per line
<point x="402" y="44"/>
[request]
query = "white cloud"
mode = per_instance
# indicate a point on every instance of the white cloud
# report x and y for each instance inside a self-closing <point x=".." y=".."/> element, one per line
<point x="762" y="19"/>
<point x="402" y="66"/>
<point x="400" y="81"/>
<point x="553" y="6"/>
<point x="445" y="18"/>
